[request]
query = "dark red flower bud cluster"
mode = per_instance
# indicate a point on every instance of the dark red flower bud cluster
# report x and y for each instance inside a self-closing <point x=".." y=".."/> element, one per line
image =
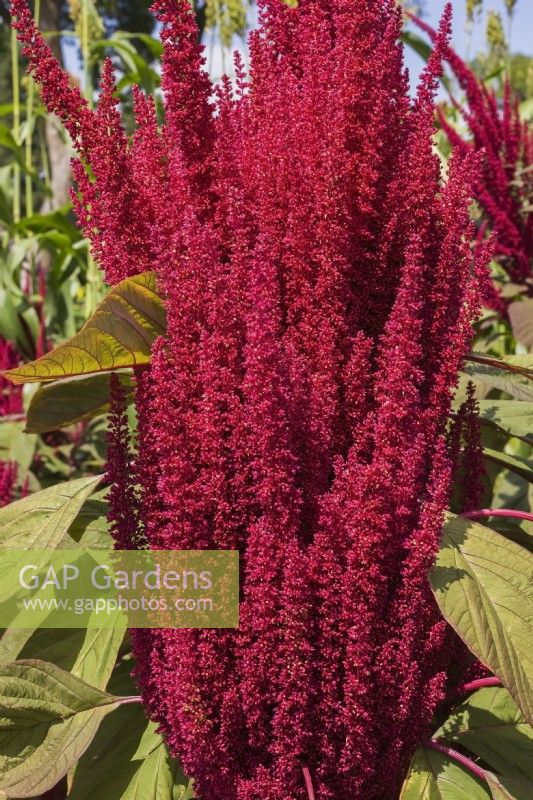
<point x="320" y="285"/>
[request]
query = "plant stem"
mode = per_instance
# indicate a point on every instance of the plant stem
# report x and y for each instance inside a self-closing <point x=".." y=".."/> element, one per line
<point x="29" y="133"/>
<point x="499" y="512"/>
<point x="127" y="700"/>
<point x="15" y="77"/>
<point x="464" y="761"/>
<point x="94" y="280"/>
<point x="308" y="783"/>
<point x="86" y="51"/>
<point x="44" y="160"/>
<point x="473" y="686"/>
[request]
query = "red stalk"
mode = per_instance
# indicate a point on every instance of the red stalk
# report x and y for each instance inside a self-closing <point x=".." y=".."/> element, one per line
<point x="464" y="761"/>
<point x="308" y="783"/>
<point x="499" y="512"/>
<point x="480" y="683"/>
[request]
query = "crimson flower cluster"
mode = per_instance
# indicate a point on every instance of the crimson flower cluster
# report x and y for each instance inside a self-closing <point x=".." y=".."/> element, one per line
<point x="504" y="187"/>
<point x="320" y="287"/>
<point x="10" y="405"/>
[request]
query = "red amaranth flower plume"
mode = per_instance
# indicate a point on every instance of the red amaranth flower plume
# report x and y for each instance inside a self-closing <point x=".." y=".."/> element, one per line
<point x="123" y="504"/>
<point x="320" y="287"/>
<point x="466" y="450"/>
<point x="8" y="478"/>
<point x="10" y="405"/>
<point x="504" y="187"/>
<point x="10" y="395"/>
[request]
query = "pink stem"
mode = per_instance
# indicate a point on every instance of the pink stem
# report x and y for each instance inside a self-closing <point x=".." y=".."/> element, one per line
<point x="465" y="762"/>
<point x="308" y="783"/>
<point x="498" y="512"/>
<point x="473" y="686"/>
<point x="126" y="700"/>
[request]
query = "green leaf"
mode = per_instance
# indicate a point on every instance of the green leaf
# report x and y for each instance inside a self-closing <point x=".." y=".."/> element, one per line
<point x="119" y="335"/>
<point x="154" y="45"/>
<point x="43" y="519"/>
<point x="16" y="445"/>
<point x="521" y="466"/>
<point x="433" y="776"/>
<point x="65" y="402"/>
<point x="91" y="528"/>
<point x="517" y="385"/>
<point x="12" y="643"/>
<point x="48" y="718"/>
<point x="150" y="741"/>
<point x="482" y="583"/>
<point x="511" y="416"/>
<point x="11" y="325"/>
<point x="88" y="654"/>
<point x="106" y="769"/>
<point x="490" y="724"/>
<point x="98" y="655"/>
<point x="8" y="141"/>
<point x="127" y="760"/>
<point x="155" y="777"/>
<point x="504" y="788"/>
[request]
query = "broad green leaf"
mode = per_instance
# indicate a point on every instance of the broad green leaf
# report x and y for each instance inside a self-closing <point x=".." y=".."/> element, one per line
<point x="185" y="792"/>
<point x="517" y="385"/>
<point x="13" y="642"/>
<point x="150" y="741"/>
<point x="482" y="583"/>
<point x="433" y="776"/>
<point x="43" y="519"/>
<point x="8" y="141"/>
<point x="58" y="220"/>
<point x="106" y="769"/>
<point x="490" y="724"/>
<point x="88" y="654"/>
<point x="514" y="417"/>
<point x="511" y="529"/>
<point x="91" y="528"/>
<point x="16" y="445"/>
<point x="48" y="718"/>
<point x="134" y="62"/>
<point x="11" y="327"/>
<point x="504" y="788"/>
<point x="65" y="402"/>
<point x="57" y="646"/>
<point x="127" y="760"/>
<point x="521" y="466"/>
<point x="155" y="777"/>
<point x="96" y="659"/>
<point x="154" y="45"/>
<point x="119" y="335"/>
